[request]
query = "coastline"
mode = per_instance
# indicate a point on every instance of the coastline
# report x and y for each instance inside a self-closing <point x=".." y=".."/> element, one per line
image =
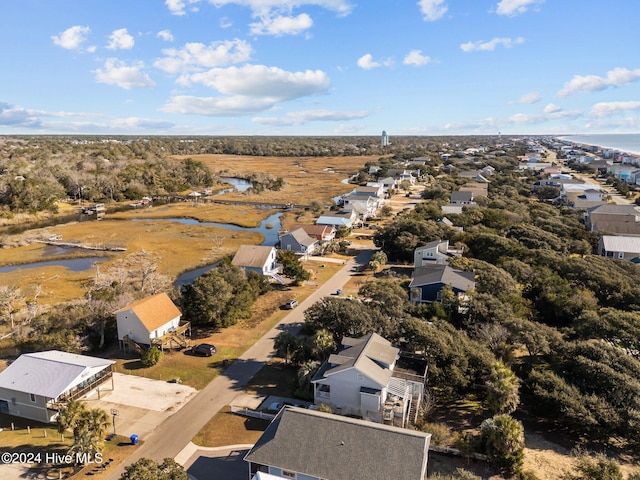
<point x="606" y="144"/>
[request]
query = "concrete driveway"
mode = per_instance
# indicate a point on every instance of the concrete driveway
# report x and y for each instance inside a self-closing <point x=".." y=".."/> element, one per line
<point x="142" y="403"/>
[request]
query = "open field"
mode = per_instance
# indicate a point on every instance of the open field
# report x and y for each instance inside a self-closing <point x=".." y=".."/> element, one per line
<point x="306" y="178"/>
<point x="180" y="247"/>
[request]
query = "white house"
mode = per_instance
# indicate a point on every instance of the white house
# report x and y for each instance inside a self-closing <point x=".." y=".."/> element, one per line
<point x="148" y="319"/>
<point x="436" y="252"/>
<point x="370" y="378"/>
<point x="338" y="219"/>
<point x="258" y="258"/>
<point x="310" y="445"/>
<point x="620" y="247"/>
<point x="37" y="385"/>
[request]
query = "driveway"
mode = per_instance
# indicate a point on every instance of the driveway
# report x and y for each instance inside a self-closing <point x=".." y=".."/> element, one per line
<point x="141" y="403"/>
<point x="170" y="438"/>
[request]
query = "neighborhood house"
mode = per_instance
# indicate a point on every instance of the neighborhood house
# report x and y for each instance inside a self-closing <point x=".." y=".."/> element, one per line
<point x="151" y="320"/>
<point x="311" y="445"/>
<point x="37" y="385"/>
<point x="370" y="378"/>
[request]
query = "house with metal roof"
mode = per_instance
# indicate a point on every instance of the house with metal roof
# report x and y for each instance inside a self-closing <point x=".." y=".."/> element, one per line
<point x="261" y="259"/>
<point x="37" y="385"/>
<point x="312" y="445"/>
<point x="150" y="320"/>
<point x="372" y="379"/>
<point x="428" y="281"/>
<point x="620" y="247"/>
<point x="338" y="219"/>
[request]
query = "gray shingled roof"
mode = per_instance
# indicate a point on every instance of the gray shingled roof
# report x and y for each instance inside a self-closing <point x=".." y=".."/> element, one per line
<point x="368" y="355"/>
<point x="333" y="447"/>
<point x="50" y="373"/>
<point x="431" y="274"/>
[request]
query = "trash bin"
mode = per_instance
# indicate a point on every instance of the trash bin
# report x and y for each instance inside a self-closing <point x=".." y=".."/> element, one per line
<point x="134" y="439"/>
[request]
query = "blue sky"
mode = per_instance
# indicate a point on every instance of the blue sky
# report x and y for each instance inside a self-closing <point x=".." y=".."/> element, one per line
<point x="319" y="67"/>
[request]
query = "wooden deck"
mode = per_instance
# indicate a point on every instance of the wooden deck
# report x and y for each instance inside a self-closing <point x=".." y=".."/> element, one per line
<point x="178" y="338"/>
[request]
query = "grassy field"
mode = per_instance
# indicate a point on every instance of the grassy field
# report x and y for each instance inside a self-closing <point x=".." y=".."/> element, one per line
<point x="306" y="178"/>
<point x="180" y="247"/>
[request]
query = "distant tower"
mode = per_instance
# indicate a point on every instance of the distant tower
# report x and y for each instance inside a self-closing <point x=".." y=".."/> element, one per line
<point x="385" y="139"/>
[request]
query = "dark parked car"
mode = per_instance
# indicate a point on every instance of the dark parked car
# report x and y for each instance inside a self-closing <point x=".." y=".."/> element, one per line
<point x="204" y="349"/>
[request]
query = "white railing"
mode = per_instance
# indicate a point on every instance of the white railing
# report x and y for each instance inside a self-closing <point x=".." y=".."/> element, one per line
<point x="247" y="412"/>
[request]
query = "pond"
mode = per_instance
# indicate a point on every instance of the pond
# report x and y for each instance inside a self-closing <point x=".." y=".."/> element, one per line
<point x="239" y="184"/>
<point x="73" y="264"/>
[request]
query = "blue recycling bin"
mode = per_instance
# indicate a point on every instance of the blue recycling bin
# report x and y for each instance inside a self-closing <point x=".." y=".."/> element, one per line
<point x="134" y="439"/>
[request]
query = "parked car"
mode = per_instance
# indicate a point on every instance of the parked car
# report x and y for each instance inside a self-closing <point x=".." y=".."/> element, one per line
<point x="291" y="304"/>
<point x="204" y="349"/>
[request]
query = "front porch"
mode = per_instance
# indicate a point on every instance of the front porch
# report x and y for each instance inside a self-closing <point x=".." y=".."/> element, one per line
<point x="82" y="389"/>
<point x="178" y="338"/>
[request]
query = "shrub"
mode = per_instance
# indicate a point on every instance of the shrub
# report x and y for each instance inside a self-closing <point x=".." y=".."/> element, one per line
<point x="151" y="357"/>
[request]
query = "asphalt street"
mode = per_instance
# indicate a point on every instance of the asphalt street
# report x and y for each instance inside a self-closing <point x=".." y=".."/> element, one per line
<point x="171" y="436"/>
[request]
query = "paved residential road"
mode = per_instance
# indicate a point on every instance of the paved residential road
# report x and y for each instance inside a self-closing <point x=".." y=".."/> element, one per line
<point x="171" y="436"/>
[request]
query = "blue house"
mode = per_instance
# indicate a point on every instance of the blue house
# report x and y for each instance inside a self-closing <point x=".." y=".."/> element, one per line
<point x="428" y="281"/>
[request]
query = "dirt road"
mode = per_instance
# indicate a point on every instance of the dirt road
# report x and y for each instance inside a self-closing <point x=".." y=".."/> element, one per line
<point x="177" y="431"/>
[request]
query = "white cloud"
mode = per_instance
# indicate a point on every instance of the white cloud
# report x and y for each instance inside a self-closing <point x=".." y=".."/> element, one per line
<point x="177" y="7"/>
<point x="260" y="81"/>
<point x="528" y="118"/>
<point x="120" y="40"/>
<point x="528" y="98"/>
<point x="225" y="22"/>
<point x="139" y="123"/>
<point x="15" y="116"/>
<point x="432" y="9"/>
<point x="511" y="8"/>
<point x="120" y="74"/>
<point x="195" y="56"/>
<point x="551" y="108"/>
<point x="366" y="62"/>
<point x="216" y="106"/>
<point x="165" y="35"/>
<point x="281" y="25"/>
<point x="605" y="109"/>
<point x="265" y="7"/>
<point x="247" y="90"/>
<point x="416" y="58"/>
<point x="342" y="7"/>
<point x="72" y="38"/>
<point x="302" y="117"/>
<point x="491" y="44"/>
<point x="593" y="83"/>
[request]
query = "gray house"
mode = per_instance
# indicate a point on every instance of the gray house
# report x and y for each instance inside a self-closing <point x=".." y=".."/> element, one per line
<point x="37" y="385"/>
<point x="299" y="241"/>
<point x="309" y="445"/>
<point x="620" y="247"/>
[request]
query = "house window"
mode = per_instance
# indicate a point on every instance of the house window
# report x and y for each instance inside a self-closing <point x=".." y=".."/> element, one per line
<point x="288" y="474"/>
<point x="32" y="397"/>
<point x="360" y="377"/>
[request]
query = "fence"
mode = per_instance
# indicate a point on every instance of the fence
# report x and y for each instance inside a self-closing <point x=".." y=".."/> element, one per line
<point x="247" y="412"/>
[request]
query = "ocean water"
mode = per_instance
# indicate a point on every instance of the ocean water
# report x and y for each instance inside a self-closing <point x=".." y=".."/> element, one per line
<point x="624" y="142"/>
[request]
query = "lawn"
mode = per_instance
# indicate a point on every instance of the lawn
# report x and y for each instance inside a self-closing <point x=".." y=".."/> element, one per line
<point x="226" y="428"/>
<point x="35" y="438"/>
<point x="230" y="342"/>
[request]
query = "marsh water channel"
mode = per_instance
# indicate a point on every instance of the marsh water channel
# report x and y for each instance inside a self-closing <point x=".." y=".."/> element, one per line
<point x="269" y="228"/>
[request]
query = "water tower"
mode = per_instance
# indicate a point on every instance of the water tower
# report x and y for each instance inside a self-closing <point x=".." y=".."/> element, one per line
<point x="385" y="139"/>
